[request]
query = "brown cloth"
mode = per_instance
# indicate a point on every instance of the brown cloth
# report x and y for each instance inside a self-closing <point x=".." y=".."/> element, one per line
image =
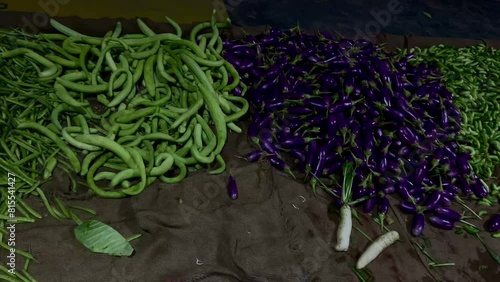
<point x="275" y="231"/>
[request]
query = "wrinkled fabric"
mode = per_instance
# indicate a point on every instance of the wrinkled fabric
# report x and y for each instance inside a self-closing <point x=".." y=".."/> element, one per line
<point x="275" y="231"/>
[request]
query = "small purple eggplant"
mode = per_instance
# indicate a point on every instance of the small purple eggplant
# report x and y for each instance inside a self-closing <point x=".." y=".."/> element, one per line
<point x="445" y="201"/>
<point x="311" y="154"/>
<point x="441" y="223"/>
<point x="383" y="207"/>
<point x="232" y="188"/>
<point x="389" y="190"/>
<point x="279" y="164"/>
<point x="254" y="156"/>
<point x="420" y="172"/>
<point x="408" y="207"/>
<point x="316" y="103"/>
<point x="447" y="213"/>
<point x="403" y="188"/>
<point x="451" y="188"/>
<point x="407" y="135"/>
<point x="298" y="154"/>
<point x="299" y="110"/>
<point x="479" y="189"/>
<point x="369" y="205"/>
<point x="493" y="223"/>
<point x="395" y="115"/>
<point x="432" y="201"/>
<point x="320" y="162"/>
<point x="264" y="121"/>
<point x="294" y="142"/>
<point x="253" y="133"/>
<point x="268" y="146"/>
<point x="417" y="224"/>
<point x="332" y="168"/>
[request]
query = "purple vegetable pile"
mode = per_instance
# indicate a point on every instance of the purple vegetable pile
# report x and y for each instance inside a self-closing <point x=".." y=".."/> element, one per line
<point x="319" y="103"/>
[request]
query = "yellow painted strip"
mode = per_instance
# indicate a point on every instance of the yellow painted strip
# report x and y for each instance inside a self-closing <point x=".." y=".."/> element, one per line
<point x="182" y="11"/>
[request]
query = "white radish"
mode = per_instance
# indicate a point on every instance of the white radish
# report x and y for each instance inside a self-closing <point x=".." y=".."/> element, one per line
<point x="345" y="228"/>
<point x="375" y="248"/>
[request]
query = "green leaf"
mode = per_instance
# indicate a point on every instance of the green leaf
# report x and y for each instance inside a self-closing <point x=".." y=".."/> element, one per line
<point x="102" y="238"/>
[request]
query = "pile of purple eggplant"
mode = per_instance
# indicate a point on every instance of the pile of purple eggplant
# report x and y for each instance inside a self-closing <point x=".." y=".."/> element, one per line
<point x="319" y="102"/>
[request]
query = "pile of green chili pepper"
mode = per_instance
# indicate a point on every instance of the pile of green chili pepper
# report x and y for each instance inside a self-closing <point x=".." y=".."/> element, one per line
<point x="126" y="109"/>
<point x="471" y="75"/>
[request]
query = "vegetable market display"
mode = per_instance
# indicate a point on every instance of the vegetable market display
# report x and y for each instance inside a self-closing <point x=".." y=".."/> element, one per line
<point x="347" y="108"/>
<point x="471" y="74"/>
<point x="126" y="109"/>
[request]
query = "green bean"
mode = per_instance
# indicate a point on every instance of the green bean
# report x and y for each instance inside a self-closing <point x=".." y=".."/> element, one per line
<point x="131" y="130"/>
<point x="168" y="113"/>
<point x="49" y="168"/>
<point x="158" y="37"/>
<point x="224" y="104"/>
<point x="144" y="28"/>
<point x="51" y="67"/>
<point x="62" y="208"/>
<point x="149" y="75"/>
<point x="203" y="43"/>
<point x="222" y="165"/>
<point x="91" y="89"/>
<point x="215" y="31"/>
<point x="28" y="208"/>
<point x="7" y="150"/>
<point x="205" y="25"/>
<point x="197" y="136"/>
<point x="161" y="68"/>
<point x="148" y="53"/>
<point x="62" y="94"/>
<point x="151" y="136"/>
<point x="224" y="79"/>
<point x="93" y="186"/>
<point x="139" y="71"/>
<point x="67" y="151"/>
<point x="188" y="114"/>
<point x="103" y="142"/>
<point x="82" y="122"/>
<point x="195" y="153"/>
<point x="204" y="62"/>
<point x="72" y="141"/>
<point x="234" y="127"/>
<point x="125" y="91"/>
<point x="63" y="62"/>
<point x="104" y="175"/>
<point x="179" y="76"/>
<point x="64" y="29"/>
<point x="182" y="173"/>
<point x="134" y="115"/>
<point x="241" y="112"/>
<point x="188" y="133"/>
<point x="49" y="208"/>
<point x="135" y="190"/>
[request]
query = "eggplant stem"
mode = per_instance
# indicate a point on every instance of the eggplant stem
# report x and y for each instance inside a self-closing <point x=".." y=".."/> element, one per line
<point x="423" y="251"/>
<point x="363" y="233"/>
<point x="441" y="264"/>
<point x="467" y="223"/>
<point x="462" y="203"/>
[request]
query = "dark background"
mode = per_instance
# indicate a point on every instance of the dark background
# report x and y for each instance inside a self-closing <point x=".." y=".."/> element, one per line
<point x="452" y="18"/>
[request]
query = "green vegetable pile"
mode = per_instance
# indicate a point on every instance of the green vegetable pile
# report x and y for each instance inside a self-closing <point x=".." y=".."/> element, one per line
<point x="471" y="74"/>
<point x="122" y="109"/>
